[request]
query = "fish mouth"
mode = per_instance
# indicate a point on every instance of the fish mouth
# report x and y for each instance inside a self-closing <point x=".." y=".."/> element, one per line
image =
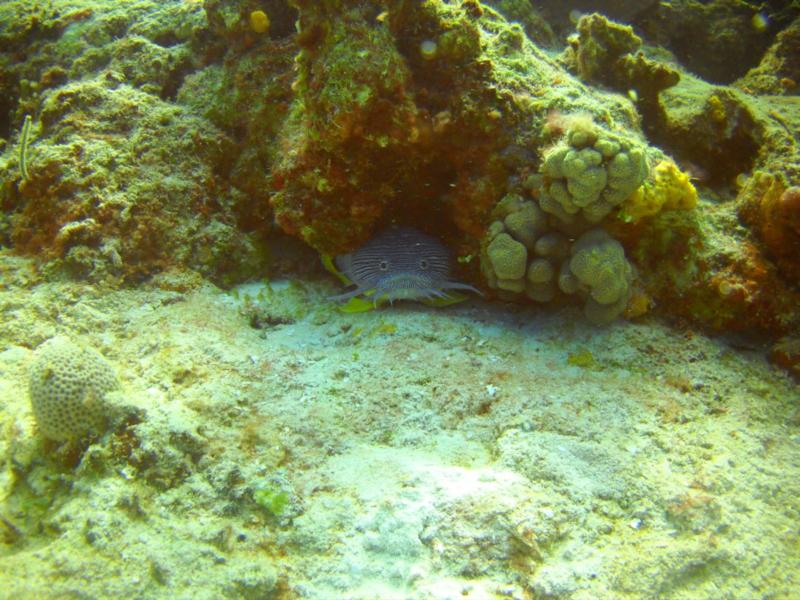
<point x="405" y="287"/>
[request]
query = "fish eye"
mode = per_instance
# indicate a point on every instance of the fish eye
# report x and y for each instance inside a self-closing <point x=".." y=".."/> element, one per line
<point x="383" y="265"/>
<point x="423" y="263"/>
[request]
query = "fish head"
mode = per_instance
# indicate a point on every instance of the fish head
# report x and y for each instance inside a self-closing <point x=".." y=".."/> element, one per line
<point x="400" y="262"/>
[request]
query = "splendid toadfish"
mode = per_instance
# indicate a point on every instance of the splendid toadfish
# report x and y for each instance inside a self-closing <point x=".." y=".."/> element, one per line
<point x="400" y="263"/>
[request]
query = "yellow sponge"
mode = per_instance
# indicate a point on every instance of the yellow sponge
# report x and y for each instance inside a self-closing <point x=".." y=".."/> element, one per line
<point x="669" y="188"/>
<point x="259" y="21"/>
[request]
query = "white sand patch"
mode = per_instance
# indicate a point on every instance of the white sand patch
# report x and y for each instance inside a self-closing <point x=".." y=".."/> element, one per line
<point x="472" y="452"/>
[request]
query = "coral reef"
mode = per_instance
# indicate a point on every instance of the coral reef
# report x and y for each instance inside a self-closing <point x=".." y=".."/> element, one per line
<point x="610" y="54"/>
<point x="415" y="114"/>
<point x="125" y="220"/>
<point x="717" y="40"/>
<point x="720" y="136"/>
<point x="779" y="69"/>
<point x="773" y="211"/>
<point x="746" y="149"/>
<point x="699" y="275"/>
<point x="123" y="182"/>
<point x="337" y="184"/>
<point x="150" y="151"/>
<point x="384" y="131"/>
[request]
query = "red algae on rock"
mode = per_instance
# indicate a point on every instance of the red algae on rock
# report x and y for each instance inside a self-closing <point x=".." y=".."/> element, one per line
<point x="773" y="211"/>
<point x="382" y="131"/>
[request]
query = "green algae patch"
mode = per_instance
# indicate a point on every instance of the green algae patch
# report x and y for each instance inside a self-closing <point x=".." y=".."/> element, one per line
<point x="386" y="328"/>
<point x="583" y="359"/>
<point x="273" y="500"/>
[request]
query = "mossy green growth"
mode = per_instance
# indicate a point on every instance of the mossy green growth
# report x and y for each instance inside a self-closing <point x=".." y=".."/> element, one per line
<point x="272" y="499"/>
<point x="600" y="43"/>
<point x="460" y="44"/>
<point x="583" y="359"/>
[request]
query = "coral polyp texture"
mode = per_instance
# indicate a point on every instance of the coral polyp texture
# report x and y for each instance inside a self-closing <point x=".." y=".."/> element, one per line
<point x="590" y="173"/>
<point x="68" y="384"/>
<point x="524" y="253"/>
<point x="598" y="267"/>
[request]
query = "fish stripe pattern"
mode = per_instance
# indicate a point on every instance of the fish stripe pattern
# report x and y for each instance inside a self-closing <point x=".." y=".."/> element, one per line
<point x="400" y="263"/>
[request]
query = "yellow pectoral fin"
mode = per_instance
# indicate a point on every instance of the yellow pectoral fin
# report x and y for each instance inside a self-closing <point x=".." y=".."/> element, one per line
<point x="356" y="305"/>
<point x="363" y="303"/>
<point x="360" y="304"/>
<point x="451" y="298"/>
<point x="327" y="262"/>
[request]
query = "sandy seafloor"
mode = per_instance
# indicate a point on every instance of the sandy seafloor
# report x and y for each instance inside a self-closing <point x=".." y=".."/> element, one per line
<point x="477" y="451"/>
